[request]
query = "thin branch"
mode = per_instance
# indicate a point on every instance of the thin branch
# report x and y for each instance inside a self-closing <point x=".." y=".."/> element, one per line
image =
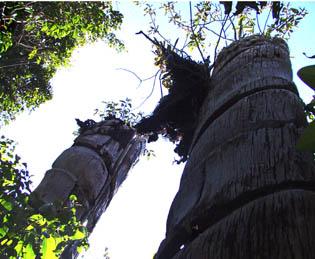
<point x="193" y="32"/>
<point x="127" y="70"/>
<point x="138" y="77"/>
<point x="25" y="46"/>
<point x="234" y="29"/>
<point x="178" y="22"/>
<point x="208" y="23"/>
<point x="156" y="43"/>
<point x="185" y="43"/>
<point x="183" y="52"/>
<point x="174" y="46"/>
<point x="257" y="18"/>
<point x="21" y="37"/>
<point x="240" y="30"/>
<point x="147" y="37"/>
<point x="161" y="87"/>
<point x="19" y="64"/>
<point x="154" y="82"/>
<point x="267" y="20"/>
<point x="224" y="33"/>
<point x="156" y="29"/>
<point x="222" y="28"/>
<point x="217" y="34"/>
<point x="22" y="8"/>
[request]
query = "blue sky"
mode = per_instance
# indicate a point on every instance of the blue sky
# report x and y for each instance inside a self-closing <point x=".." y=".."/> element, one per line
<point x="134" y="223"/>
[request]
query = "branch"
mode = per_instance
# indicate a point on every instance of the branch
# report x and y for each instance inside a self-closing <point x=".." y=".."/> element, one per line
<point x="193" y="32"/>
<point x="234" y="29"/>
<point x="154" y="82"/>
<point x="178" y="22"/>
<point x="18" y="64"/>
<point x="267" y="20"/>
<point x="21" y="8"/>
<point x="161" y="87"/>
<point x="25" y="46"/>
<point x="143" y="80"/>
<point x="222" y="28"/>
<point x="138" y="77"/>
<point x="155" y="42"/>
<point x="156" y="30"/>
<point x="217" y="34"/>
<point x="257" y="18"/>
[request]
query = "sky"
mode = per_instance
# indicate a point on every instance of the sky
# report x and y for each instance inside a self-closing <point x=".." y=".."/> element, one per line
<point x="134" y="223"/>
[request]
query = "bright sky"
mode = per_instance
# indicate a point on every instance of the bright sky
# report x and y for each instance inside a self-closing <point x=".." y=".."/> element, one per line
<point x="134" y="224"/>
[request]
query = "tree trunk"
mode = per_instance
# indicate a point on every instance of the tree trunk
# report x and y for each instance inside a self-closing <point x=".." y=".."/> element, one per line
<point x="92" y="169"/>
<point x="246" y="192"/>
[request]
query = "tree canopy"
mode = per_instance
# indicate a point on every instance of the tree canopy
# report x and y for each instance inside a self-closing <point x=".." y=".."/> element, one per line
<point x="38" y="37"/>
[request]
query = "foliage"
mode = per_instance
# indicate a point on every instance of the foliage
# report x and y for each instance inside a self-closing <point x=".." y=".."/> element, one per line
<point x="38" y="37"/>
<point x="120" y="110"/>
<point x="307" y="75"/>
<point x="27" y="232"/>
<point x="307" y="140"/>
<point x="209" y="26"/>
<point x="289" y="19"/>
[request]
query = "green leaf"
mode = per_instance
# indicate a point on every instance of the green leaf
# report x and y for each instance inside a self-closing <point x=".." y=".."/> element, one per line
<point x="73" y="197"/>
<point x="307" y="75"/>
<point x="6" y="204"/>
<point x="32" y="54"/>
<point x="29" y="228"/>
<point x="19" y="247"/>
<point x="307" y="140"/>
<point x="29" y="252"/>
<point x="80" y="249"/>
<point x="48" y="247"/>
<point x="78" y="235"/>
<point x="37" y="217"/>
<point x="3" y="231"/>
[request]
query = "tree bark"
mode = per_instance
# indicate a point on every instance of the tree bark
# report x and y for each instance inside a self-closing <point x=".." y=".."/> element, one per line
<point x="246" y="192"/>
<point x="92" y="169"/>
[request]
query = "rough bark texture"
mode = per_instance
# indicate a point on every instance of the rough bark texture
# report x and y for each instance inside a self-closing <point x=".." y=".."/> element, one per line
<point x="93" y="169"/>
<point x="246" y="192"/>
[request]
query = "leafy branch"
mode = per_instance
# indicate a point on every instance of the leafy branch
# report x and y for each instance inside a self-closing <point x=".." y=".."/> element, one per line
<point x="206" y="20"/>
<point x="27" y="230"/>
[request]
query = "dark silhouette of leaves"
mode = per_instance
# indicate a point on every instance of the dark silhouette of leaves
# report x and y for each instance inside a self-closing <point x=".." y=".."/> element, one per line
<point x="276" y="8"/>
<point x="240" y="6"/>
<point x="227" y="6"/>
<point x="262" y="4"/>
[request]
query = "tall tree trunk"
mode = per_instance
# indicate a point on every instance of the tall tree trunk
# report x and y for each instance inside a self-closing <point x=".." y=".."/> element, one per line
<point x="93" y="169"/>
<point x="246" y="192"/>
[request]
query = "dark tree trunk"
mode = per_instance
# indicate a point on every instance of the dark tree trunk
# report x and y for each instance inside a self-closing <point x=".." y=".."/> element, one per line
<point x="93" y="169"/>
<point x="246" y="192"/>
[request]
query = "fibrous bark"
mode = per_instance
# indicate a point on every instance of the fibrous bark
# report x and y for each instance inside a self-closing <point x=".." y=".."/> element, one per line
<point x="92" y="169"/>
<point x="246" y="192"/>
